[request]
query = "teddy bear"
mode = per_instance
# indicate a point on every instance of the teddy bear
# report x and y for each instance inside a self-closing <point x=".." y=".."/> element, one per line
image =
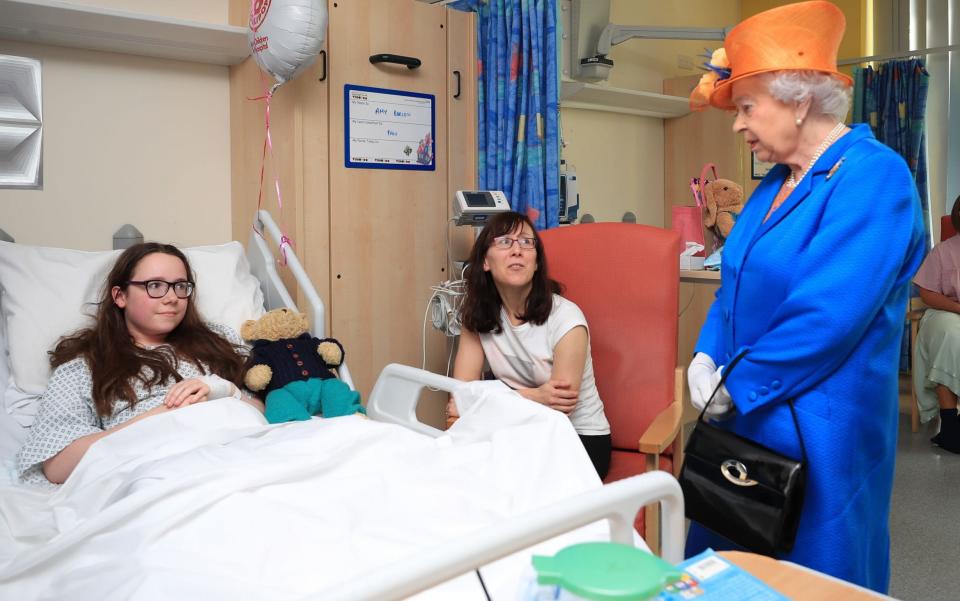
<point x="723" y="201"/>
<point x="294" y="370"/>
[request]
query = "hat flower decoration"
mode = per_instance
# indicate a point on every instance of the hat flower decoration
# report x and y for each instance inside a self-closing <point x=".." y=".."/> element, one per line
<point x="718" y="69"/>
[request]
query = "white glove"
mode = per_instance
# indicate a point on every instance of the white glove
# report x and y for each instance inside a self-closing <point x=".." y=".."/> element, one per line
<point x="703" y="377"/>
<point x="219" y="388"/>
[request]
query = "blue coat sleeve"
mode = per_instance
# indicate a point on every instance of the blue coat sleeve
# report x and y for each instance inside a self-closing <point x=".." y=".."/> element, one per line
<point x="868" y="242"/>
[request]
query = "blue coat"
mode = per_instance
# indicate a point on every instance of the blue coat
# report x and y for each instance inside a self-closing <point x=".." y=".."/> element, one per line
<point x="817" y="297"/>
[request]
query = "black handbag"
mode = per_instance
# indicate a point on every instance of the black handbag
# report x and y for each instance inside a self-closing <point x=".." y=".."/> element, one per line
<point x="740" y="489"/>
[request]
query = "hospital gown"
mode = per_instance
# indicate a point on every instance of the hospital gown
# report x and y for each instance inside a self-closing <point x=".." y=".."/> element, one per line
<point x="67" y="411"/>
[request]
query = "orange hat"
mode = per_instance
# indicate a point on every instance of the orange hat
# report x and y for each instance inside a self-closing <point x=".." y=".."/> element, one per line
<point x="802" y="36"/>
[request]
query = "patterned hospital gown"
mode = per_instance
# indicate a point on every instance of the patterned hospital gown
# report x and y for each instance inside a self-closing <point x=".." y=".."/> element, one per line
<point x="67" y="411"/>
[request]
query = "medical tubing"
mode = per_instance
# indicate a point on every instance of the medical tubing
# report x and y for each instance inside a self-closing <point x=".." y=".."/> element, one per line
<point x="723" y="378"/>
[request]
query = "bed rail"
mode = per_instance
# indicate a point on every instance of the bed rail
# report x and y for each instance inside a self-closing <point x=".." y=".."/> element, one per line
<point x="617" y="502"/>
<point x="396" y="394"/>
<point x="263" y="266"/>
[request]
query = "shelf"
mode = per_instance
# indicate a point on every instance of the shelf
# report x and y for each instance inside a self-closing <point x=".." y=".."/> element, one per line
<point x="59" y="23"/>
<point x="698" y="275"/>
<point x="580" y="95"/>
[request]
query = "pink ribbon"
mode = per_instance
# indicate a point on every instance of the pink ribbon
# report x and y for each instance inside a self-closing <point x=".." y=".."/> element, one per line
<point x="268" y="148"/>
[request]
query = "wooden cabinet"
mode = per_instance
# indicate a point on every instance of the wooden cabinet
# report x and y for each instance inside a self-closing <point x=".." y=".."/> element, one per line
<point x="373" y="240"/>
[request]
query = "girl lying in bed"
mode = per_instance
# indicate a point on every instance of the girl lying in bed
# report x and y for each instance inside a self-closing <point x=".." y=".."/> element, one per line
<point x="147" y="352"/>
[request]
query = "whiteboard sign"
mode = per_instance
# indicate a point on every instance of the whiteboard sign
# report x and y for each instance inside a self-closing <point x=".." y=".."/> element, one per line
<point x="388" y="129"/>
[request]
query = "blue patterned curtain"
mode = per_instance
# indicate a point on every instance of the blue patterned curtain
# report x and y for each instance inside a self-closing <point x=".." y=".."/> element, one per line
<point x="893" y="100"/>
<point x="517" y="96"/>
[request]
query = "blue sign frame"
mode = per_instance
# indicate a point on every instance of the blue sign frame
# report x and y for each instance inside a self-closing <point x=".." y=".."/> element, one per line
<point x="380" y="162"/>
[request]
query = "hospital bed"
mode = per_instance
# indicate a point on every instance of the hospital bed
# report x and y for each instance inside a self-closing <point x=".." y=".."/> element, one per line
<point x="209" y="502"/>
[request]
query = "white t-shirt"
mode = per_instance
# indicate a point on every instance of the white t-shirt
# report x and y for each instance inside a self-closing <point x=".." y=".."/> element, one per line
<point x="522" y="357"/>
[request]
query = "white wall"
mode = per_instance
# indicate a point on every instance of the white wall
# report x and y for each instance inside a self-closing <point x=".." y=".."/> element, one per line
<point x="210" y="11"/>
<point x="128" y="139"/>
<point x="619" y="158"/>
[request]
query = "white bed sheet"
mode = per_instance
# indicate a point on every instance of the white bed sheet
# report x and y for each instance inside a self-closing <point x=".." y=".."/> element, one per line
<point x="210" y="502"/>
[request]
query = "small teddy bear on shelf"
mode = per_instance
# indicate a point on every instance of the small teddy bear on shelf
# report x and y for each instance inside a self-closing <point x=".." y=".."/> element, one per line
<point x="295" y="370"/>
<point x="723" y="201"/>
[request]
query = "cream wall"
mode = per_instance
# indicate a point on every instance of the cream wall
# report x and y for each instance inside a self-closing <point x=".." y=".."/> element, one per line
<point x="619" y="158"/>
<point x="210" y="11"/>
<point x="128" y="139"/>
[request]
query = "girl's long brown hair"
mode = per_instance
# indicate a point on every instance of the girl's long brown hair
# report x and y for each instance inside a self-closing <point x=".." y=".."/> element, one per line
<point x="114" y="359"/>
<point x="480" y="311"/>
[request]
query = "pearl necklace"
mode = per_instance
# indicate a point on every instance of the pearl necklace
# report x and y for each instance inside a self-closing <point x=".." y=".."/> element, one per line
<point x="793" y="181"/>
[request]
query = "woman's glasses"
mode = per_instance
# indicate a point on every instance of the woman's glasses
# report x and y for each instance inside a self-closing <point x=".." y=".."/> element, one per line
<point x="159" y="288"/>
<point x="506" y="243"/>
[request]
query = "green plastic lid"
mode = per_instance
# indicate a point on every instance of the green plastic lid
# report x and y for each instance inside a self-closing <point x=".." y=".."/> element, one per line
<point x="606" y="571"/>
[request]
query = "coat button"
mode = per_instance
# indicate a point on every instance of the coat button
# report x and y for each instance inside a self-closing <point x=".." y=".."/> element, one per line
<point x="764" y="391"/>
<point x="296" y="356"/>
<point x="289" y="345"/>
<point x="304" y="373"/>
<point x="753" y="395"/>
<point x="300" y="363"/>
<point x="775" y="384"/>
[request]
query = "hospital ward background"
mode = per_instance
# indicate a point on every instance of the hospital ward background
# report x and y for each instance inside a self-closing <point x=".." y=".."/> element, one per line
<point x="131" y="120"/>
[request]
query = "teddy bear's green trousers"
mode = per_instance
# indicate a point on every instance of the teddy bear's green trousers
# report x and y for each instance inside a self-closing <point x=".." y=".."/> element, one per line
<point x="297" y="401"/>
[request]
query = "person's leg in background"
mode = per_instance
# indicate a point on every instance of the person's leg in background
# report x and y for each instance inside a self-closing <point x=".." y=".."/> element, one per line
<point x="948" y="438"/>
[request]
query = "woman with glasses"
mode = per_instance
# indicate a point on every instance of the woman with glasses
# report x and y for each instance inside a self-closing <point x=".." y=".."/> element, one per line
<point x="147" y="352"/>
<point x="533" y="339"/>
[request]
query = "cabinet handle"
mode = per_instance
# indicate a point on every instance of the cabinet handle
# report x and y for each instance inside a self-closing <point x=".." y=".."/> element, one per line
<point x="457" y="73"/>
<point x="411" y="62"/>
<point x="323" y="58"/>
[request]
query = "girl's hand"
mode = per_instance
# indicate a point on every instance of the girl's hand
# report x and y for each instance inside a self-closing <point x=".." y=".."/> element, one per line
<point x="451" y="413"/>
<point x="186" y="392"/>
<point x="556" y="394"/>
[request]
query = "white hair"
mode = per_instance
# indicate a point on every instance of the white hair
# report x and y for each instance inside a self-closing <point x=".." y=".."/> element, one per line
<point x="828" y="95"/>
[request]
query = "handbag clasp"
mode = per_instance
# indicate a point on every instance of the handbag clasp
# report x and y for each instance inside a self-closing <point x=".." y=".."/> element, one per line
<point x="736" y="473"/>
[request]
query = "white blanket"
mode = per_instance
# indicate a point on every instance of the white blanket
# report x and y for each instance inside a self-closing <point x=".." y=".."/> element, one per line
<point x="210" y="502"/>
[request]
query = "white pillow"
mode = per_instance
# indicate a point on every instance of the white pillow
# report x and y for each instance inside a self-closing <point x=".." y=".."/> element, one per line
<point x="47" y="293"/>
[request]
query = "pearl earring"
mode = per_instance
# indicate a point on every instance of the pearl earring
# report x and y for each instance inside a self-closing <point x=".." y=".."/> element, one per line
<point x="798" y="121"/>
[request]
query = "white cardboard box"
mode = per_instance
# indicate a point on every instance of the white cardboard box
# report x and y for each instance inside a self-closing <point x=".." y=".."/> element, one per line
<point x="691" y="263"/>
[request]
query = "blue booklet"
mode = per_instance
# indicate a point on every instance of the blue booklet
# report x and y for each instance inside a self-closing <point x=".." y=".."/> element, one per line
<point x="709" y="576"/>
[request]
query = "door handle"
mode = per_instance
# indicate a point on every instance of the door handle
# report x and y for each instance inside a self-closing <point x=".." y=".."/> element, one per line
<point x="411" y="62"/>
<point x="457" y="74"/>
<point x="323" y="55"/>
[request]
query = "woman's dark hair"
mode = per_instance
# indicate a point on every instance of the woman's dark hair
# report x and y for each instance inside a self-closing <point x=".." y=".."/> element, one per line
<point x="115" y="360"/>
<point x="480" y="311"/>
<point x="955" y="215"/>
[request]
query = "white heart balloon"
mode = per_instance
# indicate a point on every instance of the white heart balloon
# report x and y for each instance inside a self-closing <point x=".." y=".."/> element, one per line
<point x="285" y="36"/>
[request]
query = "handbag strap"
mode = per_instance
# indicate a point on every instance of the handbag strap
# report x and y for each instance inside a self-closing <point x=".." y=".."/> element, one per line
<point x="703" y="173"/>
<point x="723" y="379"/>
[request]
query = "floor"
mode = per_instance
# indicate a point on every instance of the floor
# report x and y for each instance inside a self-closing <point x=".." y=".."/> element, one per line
<point x="924" y="531"/>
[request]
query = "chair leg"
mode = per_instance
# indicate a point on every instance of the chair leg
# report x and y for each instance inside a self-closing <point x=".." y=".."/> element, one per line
<point x="652" y="512"/>
<point x="914" y="412"/>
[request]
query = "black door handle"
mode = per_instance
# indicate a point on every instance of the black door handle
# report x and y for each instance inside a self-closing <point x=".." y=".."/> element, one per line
<point x="323" y="55"/>
<point x="457" y="73"/>
<point x="411" y="62"/>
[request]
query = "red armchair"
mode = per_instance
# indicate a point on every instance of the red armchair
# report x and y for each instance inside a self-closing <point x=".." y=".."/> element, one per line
<point x="625" y="277"/>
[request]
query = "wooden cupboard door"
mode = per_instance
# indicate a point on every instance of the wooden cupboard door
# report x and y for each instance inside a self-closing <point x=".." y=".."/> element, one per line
<point x="298" y="126"/>
<point x="461" y="120"/>
<point x="387" y="226"/>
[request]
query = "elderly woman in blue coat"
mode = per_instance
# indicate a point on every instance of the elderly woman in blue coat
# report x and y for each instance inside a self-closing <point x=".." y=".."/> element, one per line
<point x="814" y="285"/>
